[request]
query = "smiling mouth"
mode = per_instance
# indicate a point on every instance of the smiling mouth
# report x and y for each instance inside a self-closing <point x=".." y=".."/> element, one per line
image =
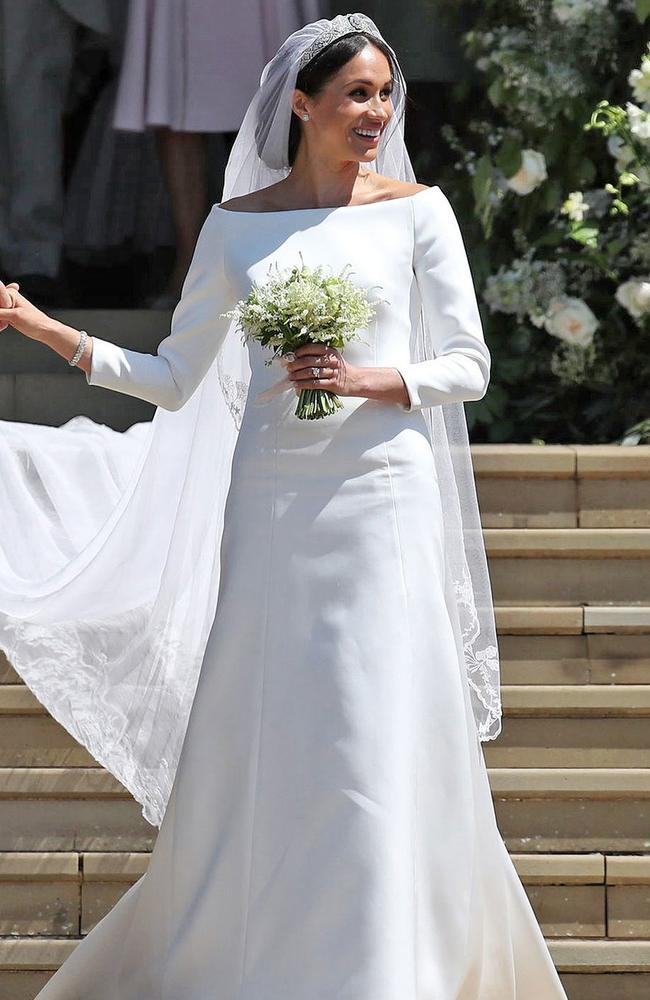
<point x="368" y="138"/>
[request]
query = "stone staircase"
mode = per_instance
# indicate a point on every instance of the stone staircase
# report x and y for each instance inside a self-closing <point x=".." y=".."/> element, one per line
<point x="567" y="530"/>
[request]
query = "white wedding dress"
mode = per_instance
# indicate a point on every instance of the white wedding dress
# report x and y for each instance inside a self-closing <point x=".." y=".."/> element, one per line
<point x="330" y="833"/>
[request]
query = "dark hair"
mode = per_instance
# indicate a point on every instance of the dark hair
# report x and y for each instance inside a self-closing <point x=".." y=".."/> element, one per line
<point x="313" y="77"/>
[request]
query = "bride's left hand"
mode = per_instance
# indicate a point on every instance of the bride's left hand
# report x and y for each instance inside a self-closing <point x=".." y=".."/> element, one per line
<point x="335" y="374"/>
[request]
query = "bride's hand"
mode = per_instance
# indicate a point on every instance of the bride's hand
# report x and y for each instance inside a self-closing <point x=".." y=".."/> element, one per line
<point x="335" y="374"/>
<point x="20" y="313"/>
<point x="384" y="384"/>
<point x="7" y="299"/>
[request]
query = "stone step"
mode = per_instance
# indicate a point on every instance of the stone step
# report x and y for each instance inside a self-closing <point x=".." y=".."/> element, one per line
<point x="572" y="809"/>
<point x="576" y="701"/>
<point x="579" y="726"/>
<point x="569" y="893"/>
<point x="518" y="700"/>
<point x="569" y="566"/>
<point x="562" y="486"/>
<point x="97" y="783"/>
<point x="545" y="725"/>
<point x="50" y="894"/>
<point x="538" y="809"/>
<point x="589" y="969"/>
<point x="568" y="543"/>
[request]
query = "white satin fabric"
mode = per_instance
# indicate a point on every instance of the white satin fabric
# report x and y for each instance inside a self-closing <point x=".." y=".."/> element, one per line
<point x="330" y="833"/>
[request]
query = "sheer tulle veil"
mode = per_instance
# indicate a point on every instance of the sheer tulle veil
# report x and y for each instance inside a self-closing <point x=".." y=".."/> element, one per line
<point x="110" y="543"/>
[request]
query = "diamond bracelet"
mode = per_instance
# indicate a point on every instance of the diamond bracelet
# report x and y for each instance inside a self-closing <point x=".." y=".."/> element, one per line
<point x="80" y="348"/>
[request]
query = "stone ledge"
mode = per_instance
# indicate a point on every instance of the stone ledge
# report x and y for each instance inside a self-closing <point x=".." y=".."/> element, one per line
<point x="610" y="461"/>
<point x="39" y="866"/>
<point x="113" y="866"/>
<point x="600" y="956"/>
<point x="560" y="869"/>
<point x="603" y="618"/>
<point x="569" y="783"/>
<point x="525" y="620"/>
<point x="59" y="783"/>
<point x="522" y="461"/>
<point x="578" y="701"/>
<point x="630" y="870"/>
<point x="34" y="954"/>
<point x="575" y="955"/>
<point x="567" y="543"/>
<point x="528" y="461"/>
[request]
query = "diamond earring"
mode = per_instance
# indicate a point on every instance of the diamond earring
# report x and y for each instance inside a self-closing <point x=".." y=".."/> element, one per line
<point x="305" y="117"/>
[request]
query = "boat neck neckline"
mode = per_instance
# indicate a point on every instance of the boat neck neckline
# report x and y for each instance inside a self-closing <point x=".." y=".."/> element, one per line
<point x="329" y="208"/>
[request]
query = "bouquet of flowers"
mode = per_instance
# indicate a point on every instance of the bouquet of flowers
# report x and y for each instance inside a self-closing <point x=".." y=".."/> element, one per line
<point x="303" y="305"/>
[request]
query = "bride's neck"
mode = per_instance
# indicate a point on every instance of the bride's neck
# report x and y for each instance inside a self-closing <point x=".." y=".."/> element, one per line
<point x="306" y="186"/>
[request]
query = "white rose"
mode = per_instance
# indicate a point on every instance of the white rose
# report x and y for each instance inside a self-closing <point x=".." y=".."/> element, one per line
<point x="570" y="319"/>
<point x="634" y="295"/>
<point x="531" y="173"/>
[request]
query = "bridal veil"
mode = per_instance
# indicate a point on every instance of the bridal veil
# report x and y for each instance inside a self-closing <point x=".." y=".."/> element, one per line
<point x="110" y="544"/>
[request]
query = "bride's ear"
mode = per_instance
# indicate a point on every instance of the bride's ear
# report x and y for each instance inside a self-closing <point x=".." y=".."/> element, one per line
<point x="298" y="105"/>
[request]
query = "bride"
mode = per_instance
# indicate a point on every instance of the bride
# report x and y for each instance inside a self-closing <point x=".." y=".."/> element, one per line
<point x="295" y="668"/>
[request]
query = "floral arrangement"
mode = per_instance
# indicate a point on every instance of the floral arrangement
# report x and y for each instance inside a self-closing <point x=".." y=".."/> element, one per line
<point x="552" y="176"/>
<point x="303" y="305"/>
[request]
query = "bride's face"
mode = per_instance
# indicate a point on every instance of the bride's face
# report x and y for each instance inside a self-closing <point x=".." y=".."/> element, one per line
<point x="358" y="97"/>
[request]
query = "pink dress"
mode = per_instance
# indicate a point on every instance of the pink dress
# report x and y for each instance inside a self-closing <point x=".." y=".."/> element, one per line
<point x="194" y="65"/>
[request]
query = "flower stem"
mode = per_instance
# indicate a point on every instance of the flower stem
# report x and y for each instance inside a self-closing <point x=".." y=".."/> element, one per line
<point x="316" y="403"/>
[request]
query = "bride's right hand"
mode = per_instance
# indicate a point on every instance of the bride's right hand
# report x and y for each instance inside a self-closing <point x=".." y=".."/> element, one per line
<point x="20" y="313"/>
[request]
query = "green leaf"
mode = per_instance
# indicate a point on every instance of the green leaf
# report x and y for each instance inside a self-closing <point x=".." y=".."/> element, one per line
<point x="552" y="238"/>
<point x="642" y="10"/>
<point x="587" y="235"/>
<point x="551" y="195"/>
<point x="509" y="158"/>
<point x="586" y="172"/>
<point x="481" y="187"/>
<point x="496" y="92"/>
<point x="553" y="146"/>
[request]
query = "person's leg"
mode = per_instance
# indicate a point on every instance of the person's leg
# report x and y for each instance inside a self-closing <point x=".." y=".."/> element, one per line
<point x="36" y="53"/>
<point x="183" y="156"/>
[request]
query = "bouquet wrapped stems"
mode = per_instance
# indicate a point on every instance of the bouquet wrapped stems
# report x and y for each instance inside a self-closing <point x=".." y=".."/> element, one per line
<point x="316" y="403"/>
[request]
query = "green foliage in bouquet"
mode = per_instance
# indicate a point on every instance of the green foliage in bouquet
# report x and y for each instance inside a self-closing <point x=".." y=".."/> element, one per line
<point x="303" y="305"/>
<point x="551" y="178"/>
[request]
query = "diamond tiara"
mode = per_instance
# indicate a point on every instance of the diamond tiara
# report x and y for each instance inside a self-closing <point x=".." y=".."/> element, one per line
<point x="342" y="24"/>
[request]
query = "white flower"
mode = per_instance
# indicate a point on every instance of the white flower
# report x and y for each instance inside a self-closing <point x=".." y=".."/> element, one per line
<point x="639" y="80"/>
<point x="624" y="156"/>
<point x="531" y="173"/>
<point x="634" y="295"/>
<point x="639" y="121"/>
<point x="620" y="150"/>
<point x="574" y="11"/>
<point x="571" y="320"/>
<point x="575" y="206"/>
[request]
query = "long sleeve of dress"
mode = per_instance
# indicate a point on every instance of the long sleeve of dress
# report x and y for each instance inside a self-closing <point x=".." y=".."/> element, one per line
<point x="169" y="378"/>
<point x="461" y="367"/>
